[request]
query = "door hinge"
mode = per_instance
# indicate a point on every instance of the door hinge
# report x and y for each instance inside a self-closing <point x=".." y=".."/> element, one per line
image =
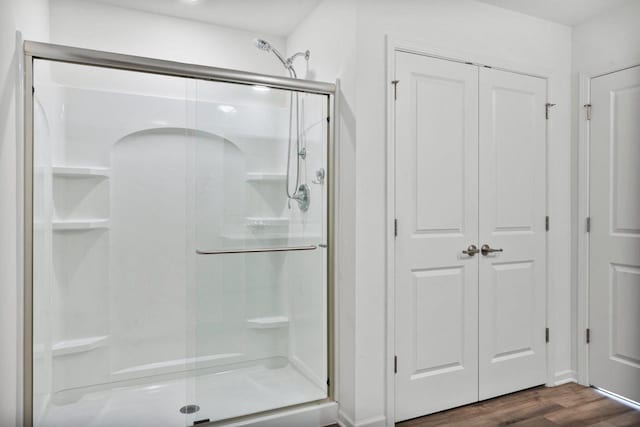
<point x="395" y="227"/>
<point x="328" y="382"/>
<point x="588" y="224"/>
<point x="395" y="364"/>
<point x="588" y="334"/>
<point x="395" y="88"/>
<point x="588" y="107"/>
<point x="546" y="334"/>
<point x="546" y="109"/>
<point x="546" y="223"/>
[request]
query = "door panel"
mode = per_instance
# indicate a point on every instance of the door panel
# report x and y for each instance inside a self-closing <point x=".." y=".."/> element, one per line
<point x="614" y="312"/>
<point x="512" y="283"/>
<point x="436" y="204"/>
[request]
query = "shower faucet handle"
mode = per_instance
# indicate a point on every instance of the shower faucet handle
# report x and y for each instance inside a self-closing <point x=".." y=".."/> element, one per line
<point x="320" y="174"/>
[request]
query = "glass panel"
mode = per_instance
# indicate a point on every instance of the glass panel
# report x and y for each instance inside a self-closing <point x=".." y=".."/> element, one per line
<point x="134" y="174"/>
<point x="261" y="336"/>
<point x="111" y="252"/>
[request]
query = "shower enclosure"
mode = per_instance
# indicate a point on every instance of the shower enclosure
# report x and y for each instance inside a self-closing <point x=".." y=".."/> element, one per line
<point x="168" y="278"/>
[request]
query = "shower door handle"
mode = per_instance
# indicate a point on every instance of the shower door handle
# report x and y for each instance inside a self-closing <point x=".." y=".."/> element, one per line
<point x="256" y="250"/>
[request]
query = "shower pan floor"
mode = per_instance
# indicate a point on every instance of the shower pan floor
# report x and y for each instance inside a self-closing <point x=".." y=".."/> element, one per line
<point x="156" y="402"/>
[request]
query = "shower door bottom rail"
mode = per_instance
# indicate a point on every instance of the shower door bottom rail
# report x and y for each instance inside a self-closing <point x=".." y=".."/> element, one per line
<point x="256" y="250"/>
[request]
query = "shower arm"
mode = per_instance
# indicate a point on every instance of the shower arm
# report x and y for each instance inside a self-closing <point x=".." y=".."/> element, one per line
<point x="306" y="55"/>
<point x="288" y="62"/>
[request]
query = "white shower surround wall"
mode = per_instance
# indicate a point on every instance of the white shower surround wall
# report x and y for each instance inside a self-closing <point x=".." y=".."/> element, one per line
<point x="139" y="302"/>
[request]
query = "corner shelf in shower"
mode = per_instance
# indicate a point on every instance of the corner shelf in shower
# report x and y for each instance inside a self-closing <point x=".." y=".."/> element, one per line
<point x="80" y="172"/>
<point x="80" y="224"/>
<point x="169" y="366"/>
<point x="266" y="221"/>
<point x="272" y="236"/>
<point x="265" y="177"/>
<point x="268" y="322"/>
<point x="80" y="345"/>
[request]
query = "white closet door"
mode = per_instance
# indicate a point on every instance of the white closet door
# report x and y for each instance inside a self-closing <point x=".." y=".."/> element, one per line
<point x="436" y="207"/>
<point x="512" y="348"/>
<point x="614" y="314"/>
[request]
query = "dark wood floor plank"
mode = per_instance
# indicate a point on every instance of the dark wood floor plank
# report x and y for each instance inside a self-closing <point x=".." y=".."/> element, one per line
<point x="589" y="413"/>
<point x="534" y="422"/>
<point x="567" y="405"/>
<point x="630" y="418"/>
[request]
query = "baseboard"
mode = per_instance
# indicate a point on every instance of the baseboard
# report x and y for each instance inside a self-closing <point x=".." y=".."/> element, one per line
<point x="345" y="421"/>
<point x="564" y="377"/>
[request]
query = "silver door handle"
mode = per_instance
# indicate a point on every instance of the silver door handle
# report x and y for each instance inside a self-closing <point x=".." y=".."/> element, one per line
<point x="486" y="250"/>
<point x="471" y="250"/>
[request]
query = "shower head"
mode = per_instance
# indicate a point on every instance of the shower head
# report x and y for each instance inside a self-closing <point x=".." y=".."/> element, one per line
<point x="266" y="46"/>
<point x="262" y="44"/>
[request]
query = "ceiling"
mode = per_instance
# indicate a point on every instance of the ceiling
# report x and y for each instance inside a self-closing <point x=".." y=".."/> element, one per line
<point x="567" y="12"/>
<point x="280" y="17"/>
<point x="275" y="17"/>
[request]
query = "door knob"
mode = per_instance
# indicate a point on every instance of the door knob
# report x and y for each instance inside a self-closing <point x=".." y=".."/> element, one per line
<point x="486" y="250"/>
<point x="471" y="250"/>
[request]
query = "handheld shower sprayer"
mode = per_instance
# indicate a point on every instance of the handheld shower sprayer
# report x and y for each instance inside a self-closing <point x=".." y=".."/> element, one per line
<point x="301" y="192"/>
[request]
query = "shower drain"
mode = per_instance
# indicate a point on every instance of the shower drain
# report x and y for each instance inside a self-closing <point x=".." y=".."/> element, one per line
<point x="189" y="409"/>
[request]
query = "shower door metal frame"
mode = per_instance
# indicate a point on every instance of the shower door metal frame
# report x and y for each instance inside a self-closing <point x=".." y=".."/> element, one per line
<point x="79" y="56"/>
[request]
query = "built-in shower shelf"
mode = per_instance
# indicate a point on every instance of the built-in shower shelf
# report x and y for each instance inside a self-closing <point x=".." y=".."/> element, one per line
<point x="80" y="345"/>
<point x="80" y="171"/>
<point x="167" y="366"/>
<point x="291" y="237"/>
<point x="265" y="177"/>
<point x="268" y="322"/>
<point x="80" y="224"/>
<point x="266" y="221"/>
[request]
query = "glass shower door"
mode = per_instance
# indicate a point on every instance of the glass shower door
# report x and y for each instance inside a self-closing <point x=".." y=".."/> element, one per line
<point x="111" y="247"/>
<point x="260" y="266"/>
<point x="179" y="248"/>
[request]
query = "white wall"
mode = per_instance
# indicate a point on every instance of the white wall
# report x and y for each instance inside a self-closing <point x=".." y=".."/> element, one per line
<point x="103" y="27"/>
<point x="465" y="28"/>
<point x="603" y="44"/>
<point x="329" y="33"/>
<point x="608" y="42"/>
<point x="31" y="18"/>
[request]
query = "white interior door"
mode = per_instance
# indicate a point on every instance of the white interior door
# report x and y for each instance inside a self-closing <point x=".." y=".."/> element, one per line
<point x="470" y="170"/>
<point x="437" y="211"/>
<point x="614" y="282"/>
<point x="512" y="293"/>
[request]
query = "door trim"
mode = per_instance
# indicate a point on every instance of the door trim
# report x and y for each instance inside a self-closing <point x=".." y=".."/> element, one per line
<point x="394" y="45"/>
<point x="583" y="241"/>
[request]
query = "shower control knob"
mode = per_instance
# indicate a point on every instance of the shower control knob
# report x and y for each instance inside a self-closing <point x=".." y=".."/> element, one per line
<point x="319" y="176"/>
